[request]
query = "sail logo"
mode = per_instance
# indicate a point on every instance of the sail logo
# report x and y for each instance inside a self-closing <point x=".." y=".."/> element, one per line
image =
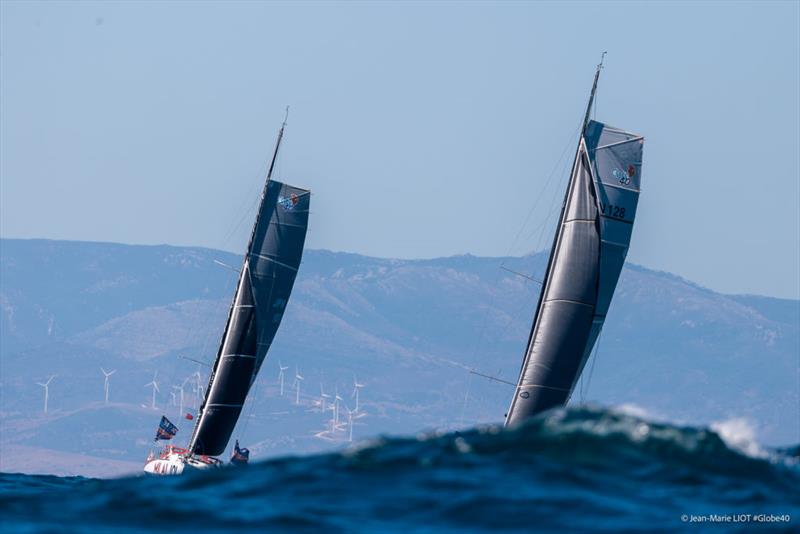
<point x="288" y="203"/>
<point x="624" y="177"/>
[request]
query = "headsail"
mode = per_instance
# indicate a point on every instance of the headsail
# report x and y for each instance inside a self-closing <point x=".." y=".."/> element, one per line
<point x="616" y="159"/>
<point x="586" y="259"/>
<point x="265" y="283"/>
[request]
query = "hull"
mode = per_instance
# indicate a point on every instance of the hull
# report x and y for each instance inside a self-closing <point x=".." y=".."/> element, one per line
<point x="159" y="466"/>
<point x="175" y="461"/>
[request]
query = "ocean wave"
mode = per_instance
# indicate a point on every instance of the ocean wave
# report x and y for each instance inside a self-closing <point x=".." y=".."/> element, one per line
<point x="585" y="469"/>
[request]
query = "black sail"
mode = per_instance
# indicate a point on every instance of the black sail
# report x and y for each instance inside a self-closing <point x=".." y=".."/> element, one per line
<point x="265" y="283"/>
<point x="564" y="321"/>
<point x="586" y="259"/>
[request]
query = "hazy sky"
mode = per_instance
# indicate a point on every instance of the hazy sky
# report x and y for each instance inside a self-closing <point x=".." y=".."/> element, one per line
<point x="422" y="129"/>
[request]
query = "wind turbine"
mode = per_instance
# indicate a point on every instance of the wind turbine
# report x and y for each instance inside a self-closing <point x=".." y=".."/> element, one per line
<point x="332" y="409"/>
<point x="46" y="387"/>
<point x="175" y="402"/>
<point x="280" y="375"/>
<point x="356" y="388"/>
<point x="155" y="388"/>
<point x="349" y="421"/>
<point x="336" y="401"/>
<point x="198" y="390"/>
<point x="194" y="393"/>
<point x="105" y="382"/>
<point x="180" y="388"/>
<point x="297" y="379"/>
<point x="322" y="397"/>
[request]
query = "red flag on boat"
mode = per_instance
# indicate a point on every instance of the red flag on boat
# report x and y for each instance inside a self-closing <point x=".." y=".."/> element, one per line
<point x="189" y="416"/>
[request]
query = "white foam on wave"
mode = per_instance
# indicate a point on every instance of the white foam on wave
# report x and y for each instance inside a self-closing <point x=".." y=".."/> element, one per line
<point x="739" y="433"/>
<point x="633" y="410"/>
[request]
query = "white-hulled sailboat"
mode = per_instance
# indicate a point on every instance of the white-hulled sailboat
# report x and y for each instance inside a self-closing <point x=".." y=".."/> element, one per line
<point x="265" y="282"/>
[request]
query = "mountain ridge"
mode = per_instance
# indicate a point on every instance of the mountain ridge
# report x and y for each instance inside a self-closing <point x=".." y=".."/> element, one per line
<point x="410" y="329"/>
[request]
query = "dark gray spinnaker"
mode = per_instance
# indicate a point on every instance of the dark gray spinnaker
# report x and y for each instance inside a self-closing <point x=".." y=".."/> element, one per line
<point x="265" y="283"/>
<point x="588" y="252"/>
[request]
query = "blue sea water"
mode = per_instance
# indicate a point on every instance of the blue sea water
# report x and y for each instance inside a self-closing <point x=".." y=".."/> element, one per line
<point x="572" y="470"/>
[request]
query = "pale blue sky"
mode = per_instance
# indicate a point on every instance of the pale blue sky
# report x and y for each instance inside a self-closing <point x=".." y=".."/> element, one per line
<point x="423" y="129"/>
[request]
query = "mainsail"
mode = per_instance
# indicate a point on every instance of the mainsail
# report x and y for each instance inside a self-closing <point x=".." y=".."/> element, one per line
<point x="589" y="249"/>
<point x="265" y="283"/>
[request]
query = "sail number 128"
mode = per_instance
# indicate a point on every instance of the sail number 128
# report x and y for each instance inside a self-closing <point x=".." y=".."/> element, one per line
<point x="610" y="210"/>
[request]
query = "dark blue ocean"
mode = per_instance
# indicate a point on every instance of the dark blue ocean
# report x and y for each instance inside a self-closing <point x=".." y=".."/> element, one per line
<point x="577" y="470"/>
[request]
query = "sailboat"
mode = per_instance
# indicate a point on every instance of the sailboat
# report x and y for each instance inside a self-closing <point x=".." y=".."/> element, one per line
<point x="589" y="248"/>
<point x="267" y="276"/>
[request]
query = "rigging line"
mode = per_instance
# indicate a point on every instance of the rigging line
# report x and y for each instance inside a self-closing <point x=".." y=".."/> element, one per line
<point x="211" y="331"/>
<point x="250" y="199"/>
<point x="205" y="325"/>
<point x="555" y="209"/>
<point x="594" y="103"/>
<point x="554" y="205"/>
<point x="253" y="395"/>
<point x="550" y="177"/>
<point x="246" y="208"/>
<point x="223" y="264"/>
<point x="532" y="279"/>
<point x="490" y="377"/>
<point x="481" y="340"/>
<point x="511" y="317"/>
<point x="466" y="397"/>
<point x="510" y="322"/>
<point x="193" y="360"/>
<point x="481" y="336"/>
<point x="280" y="163"/>
<point x="599" y="67"/>
<point x="591" y="368"/>
<point x="594" y="114"/>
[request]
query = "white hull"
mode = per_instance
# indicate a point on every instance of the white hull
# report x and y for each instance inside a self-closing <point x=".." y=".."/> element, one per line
<point x="175" y="461"/>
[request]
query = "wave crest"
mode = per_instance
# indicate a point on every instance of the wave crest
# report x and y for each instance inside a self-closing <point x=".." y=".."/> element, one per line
<point x="582" y="468"/>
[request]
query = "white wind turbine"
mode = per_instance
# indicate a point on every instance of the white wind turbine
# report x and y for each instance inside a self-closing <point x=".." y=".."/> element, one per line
<point x="174" y="394"/>
<point x="349" y="421"/>
<point x="297" y="379"/>
<point x="322" y="397"/>
<point x="332" y="409"/>
<point x="336" y="401"/>
<point x="46" y="387"/>
<point x="155" y="388"/>
<point x="356" y="388"/>
<point x="194" y="393"/>
<point x="280" y="375"/>
<point x="105" y="382"/>
<point x="180" y="389"/>
<point x="198" y="389"/>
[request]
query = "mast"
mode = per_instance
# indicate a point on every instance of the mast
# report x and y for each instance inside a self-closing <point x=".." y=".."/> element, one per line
<point x="242" y="275"/>
<point x="585" y="262"/>
<point x="557" y="236"/>
<point x="269" y="177"/>
<point x="591" y="96"/>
